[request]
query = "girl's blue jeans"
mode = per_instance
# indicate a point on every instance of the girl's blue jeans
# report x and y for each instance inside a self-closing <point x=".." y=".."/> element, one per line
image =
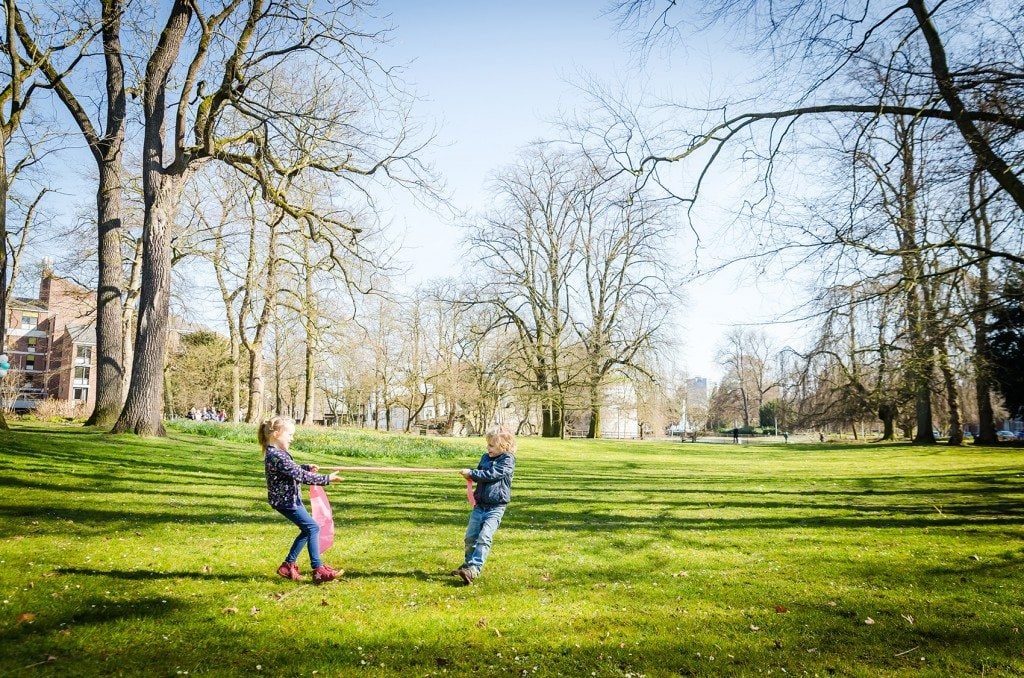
<point x="309" y="534"/>
<point x="483" y="523"/>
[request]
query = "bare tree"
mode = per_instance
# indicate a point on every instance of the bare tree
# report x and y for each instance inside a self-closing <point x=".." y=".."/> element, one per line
<point x="747" y="356"/>
<point x="250" y="53"/>
<point x="105" y="137"/>
<point x="822" y="47"/>
<point x="526" y="250"/>
<point x="625" y="288"/>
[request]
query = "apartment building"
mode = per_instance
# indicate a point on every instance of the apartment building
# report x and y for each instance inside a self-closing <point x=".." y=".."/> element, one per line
<point x="51" y="342"/>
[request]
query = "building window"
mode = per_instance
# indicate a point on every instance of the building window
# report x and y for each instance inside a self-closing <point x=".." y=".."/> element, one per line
<point x="81" y="376"/>
<point x="81" y="393"/>
<point x="29" y="320"/>
<point x="84" y="355"/>
<point x="31" y="342"/>
<point x="30" y="363"/>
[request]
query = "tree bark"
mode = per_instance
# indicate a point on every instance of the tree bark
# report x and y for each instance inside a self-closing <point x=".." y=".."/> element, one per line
<point x="4" y="190"/>
<point x="143" y="407"/>
<point x="594" y="430"/>
<point x="161" y="196"/>
<point x="111" y="377"/>
<point x="887" y="413"/>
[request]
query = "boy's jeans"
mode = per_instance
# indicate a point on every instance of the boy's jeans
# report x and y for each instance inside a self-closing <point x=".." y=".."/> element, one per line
<point x="309" y="534"/>
<point x="483" y="523"/>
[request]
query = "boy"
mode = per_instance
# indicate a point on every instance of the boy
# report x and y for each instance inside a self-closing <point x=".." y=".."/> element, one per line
<point x="493" y="477"/>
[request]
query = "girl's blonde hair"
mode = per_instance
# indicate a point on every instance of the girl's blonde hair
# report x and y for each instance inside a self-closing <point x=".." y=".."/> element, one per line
<point x="502" y="438"/>
<point x="271" y="426"/>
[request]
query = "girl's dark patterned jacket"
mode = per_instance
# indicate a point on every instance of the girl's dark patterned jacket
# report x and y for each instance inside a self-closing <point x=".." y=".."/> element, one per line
<point x="284" y="476"/>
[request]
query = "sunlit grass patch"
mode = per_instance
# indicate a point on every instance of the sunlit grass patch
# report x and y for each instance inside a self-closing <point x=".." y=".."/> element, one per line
<point x="143" y="557"/>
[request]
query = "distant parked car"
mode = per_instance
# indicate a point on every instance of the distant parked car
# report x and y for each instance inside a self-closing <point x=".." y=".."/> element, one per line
<point x="1006" y="435"/>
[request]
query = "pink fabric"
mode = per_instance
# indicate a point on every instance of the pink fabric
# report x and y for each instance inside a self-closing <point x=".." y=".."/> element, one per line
<point x="469" y="492"/>
<point x="322" y="515"/>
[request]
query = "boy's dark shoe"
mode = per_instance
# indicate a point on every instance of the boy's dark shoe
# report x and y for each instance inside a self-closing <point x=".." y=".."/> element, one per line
<point x="455" y="572"/>
<point x="468" y="574"/>
<point x="325" y="573"/>
<point x="289" y="571"/>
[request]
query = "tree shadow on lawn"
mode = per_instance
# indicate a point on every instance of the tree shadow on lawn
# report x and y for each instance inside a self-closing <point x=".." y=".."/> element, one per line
<point x="148" y="575"/>
<point x="471" y="649"/>
<point x="95" y="611"/>
<point x="374" y="514"/>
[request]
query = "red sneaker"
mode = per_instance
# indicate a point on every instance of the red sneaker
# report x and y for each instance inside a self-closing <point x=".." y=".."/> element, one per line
<point x="324" y="573"/>
<point x="289" y="571"/>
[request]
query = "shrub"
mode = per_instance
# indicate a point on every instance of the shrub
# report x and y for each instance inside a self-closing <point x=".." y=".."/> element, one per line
<point x="58" y="410"/>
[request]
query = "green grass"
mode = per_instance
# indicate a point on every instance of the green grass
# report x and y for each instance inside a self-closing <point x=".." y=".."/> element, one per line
<point x="157" y="557"/>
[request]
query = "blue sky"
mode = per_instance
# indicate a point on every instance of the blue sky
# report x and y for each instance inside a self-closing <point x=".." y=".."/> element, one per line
<point x="495" y="76"/>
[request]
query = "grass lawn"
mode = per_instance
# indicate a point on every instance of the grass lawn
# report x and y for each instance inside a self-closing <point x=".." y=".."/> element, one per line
<point x="157" y="557"/>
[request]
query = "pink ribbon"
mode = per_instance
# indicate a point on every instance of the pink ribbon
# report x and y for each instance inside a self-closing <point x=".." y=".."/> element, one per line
<point x="469" y="492"/>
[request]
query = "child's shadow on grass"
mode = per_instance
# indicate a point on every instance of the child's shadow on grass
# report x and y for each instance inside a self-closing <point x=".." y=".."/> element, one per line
<point x="142" y="575"/>
<point x="418" y="575"/>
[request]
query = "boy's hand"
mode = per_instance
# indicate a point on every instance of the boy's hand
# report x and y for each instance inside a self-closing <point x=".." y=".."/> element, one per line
<point x="334" y="477"/>
<point x="466" y="473"/>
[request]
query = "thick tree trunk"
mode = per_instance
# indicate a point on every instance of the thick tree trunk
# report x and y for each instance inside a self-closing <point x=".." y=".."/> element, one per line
<point x="143" y="407"/>
<point x="986" y="434"/>
<point x="956" y="430"/>
<point x="887" y="413"/>
<point x="594" y="430"/>
<point x="307" y="395"/>
<point x="111" y="377"/>
<point x="4" y="189"/>
<point x="236" y="379"/>
<point x="983" y="390"/>
<point x="924" y="434"/>
<point x="161" y="188"/>
<point x="254" y="405"/>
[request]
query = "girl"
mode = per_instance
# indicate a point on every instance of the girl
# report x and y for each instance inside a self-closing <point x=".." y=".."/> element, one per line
<point x="285" y="495"/>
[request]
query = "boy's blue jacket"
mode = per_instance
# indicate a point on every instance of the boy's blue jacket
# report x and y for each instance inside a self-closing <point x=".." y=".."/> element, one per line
<point x="494" y="479"/>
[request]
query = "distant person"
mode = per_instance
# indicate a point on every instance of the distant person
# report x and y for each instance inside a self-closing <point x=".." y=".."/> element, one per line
<point x="493" y="477"/>
<point x="735" y="435"/>
<point x="785" y="437"/>
<point x="821" y="436"/>
<point x="284" y="493"/>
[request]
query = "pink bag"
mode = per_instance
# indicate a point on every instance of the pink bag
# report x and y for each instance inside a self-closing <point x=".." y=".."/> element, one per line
<point x="322" y="515"/>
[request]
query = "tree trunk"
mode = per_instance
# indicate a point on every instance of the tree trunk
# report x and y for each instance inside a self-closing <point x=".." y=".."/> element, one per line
<point x="307" y="396"/>
<point x="161" y="190"/>
<point x="986" y="434"/>
<point x="143" y="407"/>
<point x="594" y="430"/>
<point x="887" y="413"/>
<point x="956" y="430"/>
<point x="4" y="189"/>
<point x="256" y="385"/>
<point x="111" y="377"/>
<point x="128" y="317"/>
<point x="236" y="379"/>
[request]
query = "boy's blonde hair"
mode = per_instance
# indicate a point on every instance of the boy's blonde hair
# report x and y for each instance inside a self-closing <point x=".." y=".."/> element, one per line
<point x="273" y="425"/>
<point x="502" y="438"/>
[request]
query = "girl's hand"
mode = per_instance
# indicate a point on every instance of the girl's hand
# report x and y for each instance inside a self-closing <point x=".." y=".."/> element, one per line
<point x="334" y="476"/>
<point x="313" y="468"/>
